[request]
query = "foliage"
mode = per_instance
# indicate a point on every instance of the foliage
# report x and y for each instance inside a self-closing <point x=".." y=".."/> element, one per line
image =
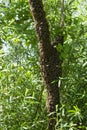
<point x="22" y="93"/>
<point x="21" y="85"/>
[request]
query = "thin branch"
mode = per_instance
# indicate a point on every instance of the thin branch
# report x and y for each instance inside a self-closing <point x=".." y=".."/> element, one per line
<point x="62" y="13"/>
<point x="60" y="37"/>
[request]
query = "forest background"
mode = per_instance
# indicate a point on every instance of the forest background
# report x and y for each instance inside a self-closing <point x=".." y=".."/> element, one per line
<point x="22" y="92"/>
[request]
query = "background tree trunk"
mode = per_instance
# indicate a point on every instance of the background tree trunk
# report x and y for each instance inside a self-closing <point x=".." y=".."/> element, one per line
<point x="49" y="60"/>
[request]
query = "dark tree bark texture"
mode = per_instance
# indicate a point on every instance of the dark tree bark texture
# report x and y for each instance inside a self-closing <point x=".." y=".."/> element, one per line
<point x="49" y="59"/>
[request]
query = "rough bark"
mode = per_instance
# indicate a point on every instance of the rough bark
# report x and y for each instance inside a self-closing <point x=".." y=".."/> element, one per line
<point x="49" y="59"/>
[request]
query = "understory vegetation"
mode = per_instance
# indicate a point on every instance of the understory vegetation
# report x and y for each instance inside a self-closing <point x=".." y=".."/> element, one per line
<point x="22" y="91"/>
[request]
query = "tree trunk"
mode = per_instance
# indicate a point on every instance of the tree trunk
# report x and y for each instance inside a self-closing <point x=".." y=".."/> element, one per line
<point x="49" y="60"/>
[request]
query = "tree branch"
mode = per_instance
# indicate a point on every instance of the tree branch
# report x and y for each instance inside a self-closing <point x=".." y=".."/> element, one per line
<point x="60" y="37"/>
